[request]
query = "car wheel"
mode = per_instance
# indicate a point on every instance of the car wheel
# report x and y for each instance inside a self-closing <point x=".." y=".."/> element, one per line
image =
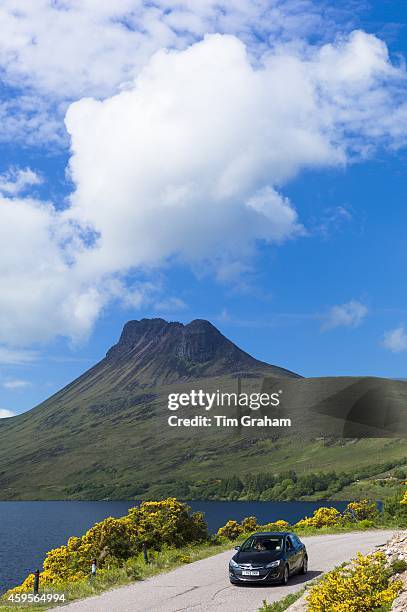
<point x="286" y="575"/>
<point x="304" y="568"/>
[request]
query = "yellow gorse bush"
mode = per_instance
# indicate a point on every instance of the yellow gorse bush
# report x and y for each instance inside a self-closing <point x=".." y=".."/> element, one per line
<point x="323" y="517"/>
<point x="360" y="586"/>
<point x="361" y="510"/>
<point x="276" y="526"/>
<point x="167" y="522"/>
<point x="114" y="540"/>
<point x="403" y="500"/>
<point x="231" y="530"/>
<point x="249" y="524"/>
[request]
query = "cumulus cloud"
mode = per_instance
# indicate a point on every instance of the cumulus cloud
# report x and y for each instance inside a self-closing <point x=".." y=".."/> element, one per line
<point x="396" y="339"/>
<point x="107" y="43"/>
<point x="5" y="414"/>
<point x="42" y="293"/>
<point x="188" y="163"/>
<point x="193" y="155"/>
<point x="54" y="52"/>
<point x="350" y="314"/>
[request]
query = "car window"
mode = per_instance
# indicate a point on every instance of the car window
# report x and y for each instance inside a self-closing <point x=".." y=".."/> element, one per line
<point x="297" y="541"/>
<point x="262" y="543"/>
<point x="290" y="544"/>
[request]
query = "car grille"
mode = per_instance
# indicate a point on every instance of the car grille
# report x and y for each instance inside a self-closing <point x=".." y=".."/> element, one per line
<point x="250" y="566"/>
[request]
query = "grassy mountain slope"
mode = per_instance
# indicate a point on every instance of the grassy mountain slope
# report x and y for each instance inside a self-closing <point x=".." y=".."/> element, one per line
<point x="106" y="435"/>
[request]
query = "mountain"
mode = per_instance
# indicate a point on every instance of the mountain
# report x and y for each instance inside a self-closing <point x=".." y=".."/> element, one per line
<point x="106" y="434"/>
<point x="155" y="351"/>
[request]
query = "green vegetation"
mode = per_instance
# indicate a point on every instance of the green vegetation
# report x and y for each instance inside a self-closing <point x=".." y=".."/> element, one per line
<point x="105" y="436"/>
<point x="291" y="485"/>
<point x="363" y="585"/>
<point x="173" y="537"/>
<point x="131" y="570"/>
<point x="113" y="541"/>
<point x="394" y="510"/>
<point x="282" y="604"/>
<point x="398" y="566"/>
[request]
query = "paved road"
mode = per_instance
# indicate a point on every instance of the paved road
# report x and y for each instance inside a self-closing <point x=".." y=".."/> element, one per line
<point x="204" y="585"/>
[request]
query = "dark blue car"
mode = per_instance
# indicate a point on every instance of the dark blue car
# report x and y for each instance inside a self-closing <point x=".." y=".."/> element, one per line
<point x="268" y="557"/>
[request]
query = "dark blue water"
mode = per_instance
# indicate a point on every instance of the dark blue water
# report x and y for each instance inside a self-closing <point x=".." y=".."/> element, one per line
<point x="29" y="529"/>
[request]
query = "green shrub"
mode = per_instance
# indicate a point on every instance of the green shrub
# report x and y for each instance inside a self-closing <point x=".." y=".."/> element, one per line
<point x="398" y="566"/>
<point x="395" y="508"/>
<point x="361" y="510"/>
<point x="365" y="524"/>
<point x="249" y="524"/>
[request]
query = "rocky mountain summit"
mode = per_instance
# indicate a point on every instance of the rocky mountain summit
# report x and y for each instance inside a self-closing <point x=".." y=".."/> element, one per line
<point x="169" y="351"/>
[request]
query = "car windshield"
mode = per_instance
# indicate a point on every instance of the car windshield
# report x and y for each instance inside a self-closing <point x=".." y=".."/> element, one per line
<point x="262" y="543"/>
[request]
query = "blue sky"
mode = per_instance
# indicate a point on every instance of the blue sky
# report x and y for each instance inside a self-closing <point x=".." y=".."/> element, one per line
<point x="297" y="254"/>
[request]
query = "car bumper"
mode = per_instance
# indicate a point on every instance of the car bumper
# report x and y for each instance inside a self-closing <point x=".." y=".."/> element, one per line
<point x="275" y="574"/>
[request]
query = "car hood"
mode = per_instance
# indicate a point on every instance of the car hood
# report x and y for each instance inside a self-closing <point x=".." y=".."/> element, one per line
<point x="258" y="558"/>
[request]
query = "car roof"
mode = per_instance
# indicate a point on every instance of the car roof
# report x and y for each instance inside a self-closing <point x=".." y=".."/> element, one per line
<point x="272" y="533"/>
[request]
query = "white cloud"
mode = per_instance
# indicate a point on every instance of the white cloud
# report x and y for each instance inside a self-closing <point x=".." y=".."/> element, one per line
<point x="5" y="414"/>
<point x="54" y="52"/>
<point x="16" y="356"/>
<point x="170" y="304"/>
<point x="32" y="120"/>
<point x="68" y="48"/>
<point x="17" y="180"/>
<point x="42" y="294"/>
<point x="331" y="221"/>
<point x="396" y="339"/>
<point x="16" y="384"/>
<point x="350" y="314"/>
<point x="188" y="164"/>
<point x="192" y="155"/>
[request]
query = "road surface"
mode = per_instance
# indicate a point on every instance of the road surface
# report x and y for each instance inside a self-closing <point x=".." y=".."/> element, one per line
<point x="204" y="585"/>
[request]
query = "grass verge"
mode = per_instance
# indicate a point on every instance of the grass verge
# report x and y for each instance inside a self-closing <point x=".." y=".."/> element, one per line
<point x="282" y="604"/>
<point x="131" y="571"/>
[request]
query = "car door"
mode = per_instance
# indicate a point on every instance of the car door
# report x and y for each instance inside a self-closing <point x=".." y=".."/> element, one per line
<point x="290" y="554"/>
<point x="299" y="549"/>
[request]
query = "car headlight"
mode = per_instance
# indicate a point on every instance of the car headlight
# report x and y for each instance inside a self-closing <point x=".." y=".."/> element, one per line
<point x="233" y="563"/>
<point x="274" y="563"/>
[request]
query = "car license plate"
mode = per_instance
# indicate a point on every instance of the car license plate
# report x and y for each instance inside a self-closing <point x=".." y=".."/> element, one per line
<point x="250" y="573"/>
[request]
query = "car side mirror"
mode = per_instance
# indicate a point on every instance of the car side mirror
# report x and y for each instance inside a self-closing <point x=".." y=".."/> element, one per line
<point x="237" y="547"/>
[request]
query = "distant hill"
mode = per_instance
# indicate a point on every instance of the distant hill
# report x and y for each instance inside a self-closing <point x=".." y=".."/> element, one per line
<point x="106" y="435"/>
